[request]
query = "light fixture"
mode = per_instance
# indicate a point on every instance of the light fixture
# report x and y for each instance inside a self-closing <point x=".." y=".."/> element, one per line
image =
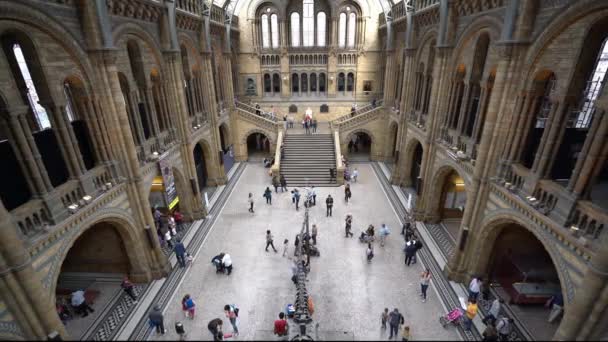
<point x="284" y="78"/>
<point x="72" y="208"/>
<point x="268" y="10"/>
<point x="87" y="199"/>
<point x="348" y="8"/>
<point x="109" y="184"/>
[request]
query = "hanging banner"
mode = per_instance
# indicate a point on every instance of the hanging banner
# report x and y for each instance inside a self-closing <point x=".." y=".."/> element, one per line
<point x="166" y="172"/>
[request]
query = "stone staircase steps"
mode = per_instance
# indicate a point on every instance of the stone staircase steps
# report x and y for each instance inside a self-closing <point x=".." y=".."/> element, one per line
<point x="307" y="159"/>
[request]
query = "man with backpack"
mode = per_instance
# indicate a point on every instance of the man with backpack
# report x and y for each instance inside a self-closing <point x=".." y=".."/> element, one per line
<point x="232" y="312"/>
<point x="504" y="326"/>
<point x="215" y="328"/>
<point x="395" y="318"/>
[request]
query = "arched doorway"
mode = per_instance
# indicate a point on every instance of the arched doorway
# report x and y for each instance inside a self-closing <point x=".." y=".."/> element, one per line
<point x="359" y="146"/>
<point x="97" y="269"/>
<point x="416" y="168"/>
<point x="200" y="165"/>
<point x="258" y="146"/>
<point x="523" y="273"/>
<point x="392" y="152"/>
<point x="447" y="200"/>
<point x="227" y="150"/>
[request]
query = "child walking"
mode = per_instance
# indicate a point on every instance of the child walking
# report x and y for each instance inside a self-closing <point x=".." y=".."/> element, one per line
<point x="384" y="318"/>
<point x="285" y="247"/>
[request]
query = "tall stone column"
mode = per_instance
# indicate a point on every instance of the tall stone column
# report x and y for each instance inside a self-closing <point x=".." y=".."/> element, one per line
<point x="591" y="155"/>
<point x="389" y="78"/>
<point x="21" y="286"/>
<point x="66" y="145"/>
<point x="227" y="83"/>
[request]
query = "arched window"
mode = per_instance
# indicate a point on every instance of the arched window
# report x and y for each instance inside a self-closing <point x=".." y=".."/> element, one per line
<point x="342" y="30"/>
<point x="352" y="22"/>
<point x="322" y="82"/>
<point x="267" y="85"/>
<point x="321" y="28"/>
<point x="295" y="83"/>
<point x="313" y="82"/>
<point x="276" y="83"/>
<point x="265" y="32"/>
<point x="341" y="81"/>
<point x="308" y="22"/>
<point x="304" y="83"/>
<point x="295" y="29"/>
<point x="350" y="82"/>
<point x="274" y="29"/>
<point x="594" y="85"/>
<point x="40" y="113"/>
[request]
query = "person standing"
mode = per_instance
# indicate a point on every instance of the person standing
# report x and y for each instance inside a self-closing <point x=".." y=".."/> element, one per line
<point x="490" y="334"/>
<point x="475" y="287"/>
<point x="348" y="225"/>
<point x="313" y="194"/>
<point x="557" y="307"/>
<point x="276" y="184"/>
<point x="504" y="326"/>
<point x="384" y="231"/>
<point x="410" y="250"/>
<point x="418" y="245"/>
<point x="269" y="241"/>
<point x="250" y="200"/>
<point x="80" y="304"/>
<point x="128" y="287"/>
<point x="180" y="253"/>
<point x="314" y="125"/>
<point x="232" y="314"/>
<point x="405" y="334"/>
<point x="425" y="280"/>
<point x="227" y="263"/>
<point x="492" y="315"/>
<point x="355" y="175"/>
<point x="283" y="183"/>
<point x="157" y="320"/>
<point x="369" y="252"/>
<point x="347" y="193"/>
<point x="470" y="313"/>
<point x="296" y="198"/>
<point x="285" y="121"/>
<point x="314" y="234"/>
<point x="281" y="327"/>
<point x="332" y="175"/>
<point x="179" y="219"/>
<point x="188" y="306"/>
<point x="395" y="318"/>
<point x="384" y="318"/>
<point x="329" y="202"/>
<point x="307" y="126"/>
<point x="268" y="195"/>
<point x="215" y="328"/>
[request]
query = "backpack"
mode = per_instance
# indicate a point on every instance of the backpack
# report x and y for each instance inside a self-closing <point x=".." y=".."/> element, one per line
<point x="235" y="309"/>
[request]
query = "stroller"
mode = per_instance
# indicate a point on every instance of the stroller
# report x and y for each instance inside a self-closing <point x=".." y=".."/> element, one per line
<point x="454" y="317"/>
<point x="313" y="250"/>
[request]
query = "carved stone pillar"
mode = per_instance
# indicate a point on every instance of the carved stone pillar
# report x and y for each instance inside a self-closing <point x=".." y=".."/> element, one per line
<point x="591" y="155"/>
<point x="389" y="78"/>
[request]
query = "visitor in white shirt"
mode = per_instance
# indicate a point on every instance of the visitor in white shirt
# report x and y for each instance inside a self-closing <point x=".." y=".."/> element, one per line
<point x="475" y="287"/>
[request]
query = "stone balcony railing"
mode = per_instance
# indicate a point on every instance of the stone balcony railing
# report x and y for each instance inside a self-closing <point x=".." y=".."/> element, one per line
<point x="190" y="6"/>
<point x="248" y="113"/>
<point x="359" y="111"/>
<point x="587" y="221"/>
<point x="346" y="122"/>
<point x="308" y="58"/>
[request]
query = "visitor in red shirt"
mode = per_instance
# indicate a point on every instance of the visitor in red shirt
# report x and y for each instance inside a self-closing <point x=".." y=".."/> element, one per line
<point x="280" y="325"/>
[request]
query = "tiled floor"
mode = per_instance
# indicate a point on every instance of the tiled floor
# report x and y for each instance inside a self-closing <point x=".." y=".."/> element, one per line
<point x="349" y="293"/>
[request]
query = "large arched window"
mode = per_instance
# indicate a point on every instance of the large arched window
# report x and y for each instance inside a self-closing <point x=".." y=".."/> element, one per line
<point x="40" y="114"/>
<point x="308" y="22"/>
<point x="322" y="82"/>
<point x="342" y="30"/>
<point x="276" y="83"/>
<point x="341" y="81"/>
<point x="295" y="29"/>
<point x="295" y="83"/>
<point x="304" y="83"/>
<point x="350" y="82"/>
<point x="321" y="28"/>
<point x="274" y="29"/>
<point x="267" y="84"/>
<point x="352" y="22"/>
<point x="313" y="82"/>
<point x="265" y="32"/>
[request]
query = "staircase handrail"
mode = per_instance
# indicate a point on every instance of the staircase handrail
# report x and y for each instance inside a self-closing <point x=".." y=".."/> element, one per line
<point x="252" y="110"/>
<point x="356" y="119"/>
<point x="276" y="167"/>
<point x="360" y="111"/>
<point x="339" y="165"/>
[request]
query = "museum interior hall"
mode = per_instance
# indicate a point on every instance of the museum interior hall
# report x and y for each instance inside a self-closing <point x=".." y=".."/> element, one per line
<point x="302" y="170"/>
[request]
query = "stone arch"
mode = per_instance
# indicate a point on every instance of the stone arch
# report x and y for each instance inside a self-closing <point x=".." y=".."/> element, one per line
<point x="392" y="147"/>
<point x="409" y="155"/>
<point x="489" y="24"/>
<point x="256" y="130"/>
<point x="225" y="138"/>
<point x="125" y="226"/>
<point x="248" y="134"/>
<point x="122" y="32"/>
<point x="491" y="227"/>
<point x="435" y="193"/>
<point x="428" y="37"/>
<point x="193" y="51"/>
<point x="184" y="192"/>
<point x="204" y="167"/>
<point x="19" y="14"/>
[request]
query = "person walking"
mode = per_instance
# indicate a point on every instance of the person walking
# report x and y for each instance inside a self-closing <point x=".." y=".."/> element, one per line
<point x="128" y="287"/>
<point x="232" y="313"/>
<point x="314" y="125"/>
<point x="355" y="175"/>
<point x="283" y="183"/>
<point x="418" y="246"/>
<point x="492" y="315"/>
<point x="285" y="247"/>
<point x="369" y="252"/>
<point x="405" y="334"/>
<point x="79" y="303"/>
<point x="307" y="126"/>
<point x="332" y="175"/>
<point x="268" y="195"/>
<point x="180" y="253"/>
<point x="276" y="184"/>
<point x="504" y="325"/>
<point x="347" y="193"/>
<point x="425" y="280"/>
<point x="269" y="241"/>
<point x="348" y="225"/>
<point x="470" y="313"/>
<point x="296" y="198"/>
<point x="285" y="121"/>
<point x="329" y="203"/>
<point x="313" y="194"/>
<point x="250" y="200"/>
<point x="475" y="287"/>
<point x="395" y="318"/>
<point x="315" y="231"/>
<point x="188" y="306"/>
<point x="157" y="320"/>
<point x="384" y="318"/>
<point x="490" y="334"/>
<point x="384" y="232"/>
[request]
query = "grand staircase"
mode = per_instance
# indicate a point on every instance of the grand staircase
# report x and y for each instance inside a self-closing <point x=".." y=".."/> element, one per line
<point x="307" y="160"/>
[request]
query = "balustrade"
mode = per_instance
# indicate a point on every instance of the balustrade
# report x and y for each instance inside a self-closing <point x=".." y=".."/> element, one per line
<point x="31" y="218"/>
<point x="423" y="4"/>
<point x="190" y="6"/>
<point x="587" y="220"/>
<point x="308" y="59"/>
